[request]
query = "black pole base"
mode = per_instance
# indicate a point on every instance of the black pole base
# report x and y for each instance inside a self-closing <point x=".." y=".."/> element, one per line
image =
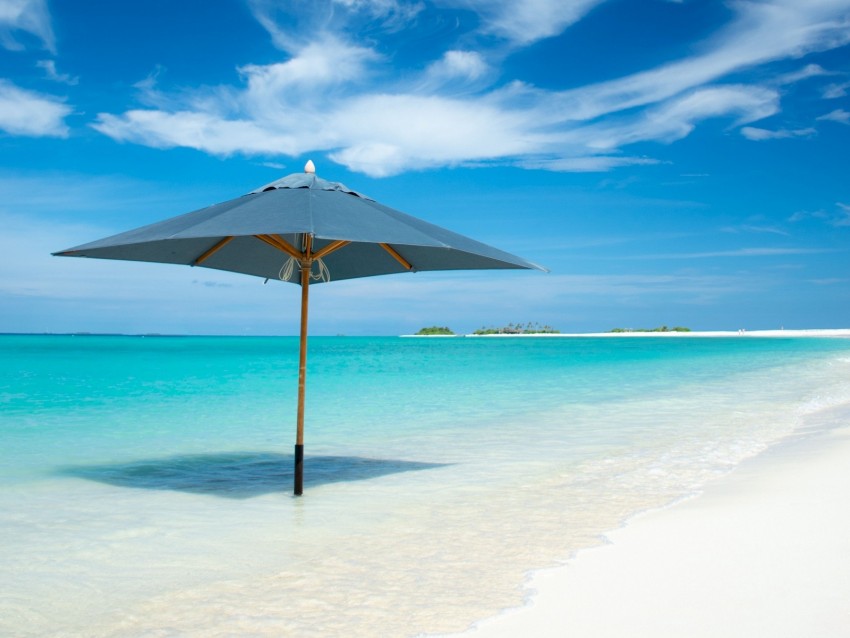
<point x="299" y="470"/>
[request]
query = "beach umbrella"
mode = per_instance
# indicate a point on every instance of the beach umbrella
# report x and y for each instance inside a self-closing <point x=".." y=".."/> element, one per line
<point x="301" y="229"/>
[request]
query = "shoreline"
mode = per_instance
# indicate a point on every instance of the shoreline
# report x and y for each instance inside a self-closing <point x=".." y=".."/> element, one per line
<point x="812" y="332"/>
<point x="759" y="551"/>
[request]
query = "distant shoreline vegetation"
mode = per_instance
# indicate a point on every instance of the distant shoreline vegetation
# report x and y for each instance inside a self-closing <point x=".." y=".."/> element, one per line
<point x="519" y="329"/>
<point x="530" y="328"/>
<point x="659" y="329"/>
<point x="435" y="331"/>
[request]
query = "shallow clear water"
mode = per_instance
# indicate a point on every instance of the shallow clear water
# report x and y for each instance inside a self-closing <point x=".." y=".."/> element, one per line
<point x="146" y="481"/>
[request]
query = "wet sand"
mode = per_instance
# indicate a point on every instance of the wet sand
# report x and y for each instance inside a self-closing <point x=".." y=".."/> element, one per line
<point x="762" y="552"/>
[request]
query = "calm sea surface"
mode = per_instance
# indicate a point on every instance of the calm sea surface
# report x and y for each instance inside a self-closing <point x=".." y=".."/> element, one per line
<point x="145" y="482"/>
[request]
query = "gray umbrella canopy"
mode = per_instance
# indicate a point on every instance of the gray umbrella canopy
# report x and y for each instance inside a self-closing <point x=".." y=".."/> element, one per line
<point x="287" y="228"/>
<point x="249" y="233"/>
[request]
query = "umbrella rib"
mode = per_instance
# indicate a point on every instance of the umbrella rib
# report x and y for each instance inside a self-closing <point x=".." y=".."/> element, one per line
<point x="209" y="253"/>
<point x="332" y="247"/>
<point x="276" y="241"/>
<point x="286" y="246"/>
<point x="392" y="251"/>
<point x="281" y="244"/>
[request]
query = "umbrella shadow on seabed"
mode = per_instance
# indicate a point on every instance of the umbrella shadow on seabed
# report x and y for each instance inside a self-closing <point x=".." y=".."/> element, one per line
<point x="237" y="474"/>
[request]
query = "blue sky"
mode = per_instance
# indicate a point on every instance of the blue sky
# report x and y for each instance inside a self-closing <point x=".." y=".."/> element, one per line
<point x="672" y="162"/>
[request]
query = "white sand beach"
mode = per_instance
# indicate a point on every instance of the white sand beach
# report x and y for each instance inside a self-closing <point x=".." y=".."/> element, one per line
<point x="762" y="552"/>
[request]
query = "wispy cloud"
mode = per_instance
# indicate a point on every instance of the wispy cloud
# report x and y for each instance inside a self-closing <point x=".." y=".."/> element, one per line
<point x="293" y="25"/>
<point x="587" y="164"/>
<point x="525" y="22"/>
<point x="840" y="217"/>
<point x="808" y="71"/>
<point x="336" y="94"/>
<point x="838" y="115"/>
<point x="738" y="252"/>
<point x="750" y="228"/>
<point x="761" y="32"/>
<point x="31" y="114"/>
<point x="843" y="218"/>
<point x="463" y="69"/>
<point x="834" y="91"/>
<point x="29" y="16"/>
<point x="49" y="67"/>
<point x="675" y="118"/>
<point x="760" y="134"/>
<point x="802" y="215"/>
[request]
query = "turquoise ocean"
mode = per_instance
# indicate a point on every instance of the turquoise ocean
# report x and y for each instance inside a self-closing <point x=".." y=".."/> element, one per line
<point x="145" y="482"/>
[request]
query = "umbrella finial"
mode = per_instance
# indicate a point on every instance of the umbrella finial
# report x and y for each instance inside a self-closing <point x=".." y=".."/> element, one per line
<point x="309" y="167"/>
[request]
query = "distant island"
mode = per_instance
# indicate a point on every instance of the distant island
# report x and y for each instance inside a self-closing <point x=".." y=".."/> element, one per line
<point x="519" y="329"/>
<point x="510" y="329"/>
<point x="438" y="331"/>
<point x="659" y="329"/>
<point x="531" y="328"/>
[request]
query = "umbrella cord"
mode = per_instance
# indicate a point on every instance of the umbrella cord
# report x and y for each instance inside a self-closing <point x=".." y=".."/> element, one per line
<point x="288" y="269"/>
<point x="324" y="274"/>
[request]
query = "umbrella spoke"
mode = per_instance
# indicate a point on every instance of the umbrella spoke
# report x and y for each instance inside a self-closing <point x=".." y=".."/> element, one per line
<point x="392" y="251"/>
<point x="332" y="247"/>
<point x="276" y="241"/>
<point x="213" y="250"/>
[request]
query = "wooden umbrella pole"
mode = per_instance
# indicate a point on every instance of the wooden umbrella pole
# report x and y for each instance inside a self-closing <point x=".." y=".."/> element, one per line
<point x="306" y="267"/>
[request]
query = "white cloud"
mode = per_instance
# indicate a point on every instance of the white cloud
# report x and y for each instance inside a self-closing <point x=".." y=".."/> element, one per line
<point x="346" y="99"/>
<point x="281" y="111"/>
<point x="834" y="91"/>
<point x="31" y="114"/>
<point x="384" y="129"/>
<point x="390" y="12"/>
<point x="808" y="71"/>
<point x="30" y="16"/>
<point x="748" y="228"/>
<point x="802" y="215"/>
<point x="527" y="21"/>
<point x="290" y="108"/>
<point x="676" y="118"/>
<point x="838" y="115"/>
<point x="321" y="64"/>
<point x="50" y="71"/>
<point x="588" y="164"/>
<point x="458" y="65"/>
<point x="148" y="84"/>
<point x="838" y="218"/>
<point x="759" y="134"/>
<point x="762" y="32"/>
<point x="291" y="24"/>
<point x="203" y="131"/>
